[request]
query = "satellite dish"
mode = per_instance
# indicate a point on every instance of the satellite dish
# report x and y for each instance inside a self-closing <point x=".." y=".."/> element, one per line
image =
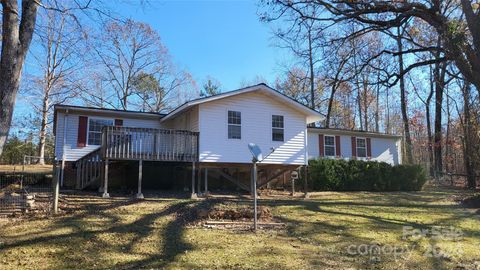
<point x="256" y="152"/>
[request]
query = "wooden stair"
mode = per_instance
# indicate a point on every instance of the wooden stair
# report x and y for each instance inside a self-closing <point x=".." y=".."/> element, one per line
<point x="89" y="169"/>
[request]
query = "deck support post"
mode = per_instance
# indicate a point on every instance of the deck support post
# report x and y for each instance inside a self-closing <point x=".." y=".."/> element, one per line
<point x="62" y="171"/>
<point x="56" y="187"/>
<point x="140" y="172"/>
<point x="193" y="195"/>
<point x="199" y="181"/>
<point x="206" y="182"/>
<point x="305" y="182"/>
<point x="105" y="182"/>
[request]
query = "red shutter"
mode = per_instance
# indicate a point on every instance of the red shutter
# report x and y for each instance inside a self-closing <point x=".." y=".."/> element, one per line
<point x="82" y="131"/>
<point x="337" y="146"/>
<point x="118" y="122"/>
<point x="354" y="147"/>
<point x="369" y="148"/>
<point x="321" y="145"/>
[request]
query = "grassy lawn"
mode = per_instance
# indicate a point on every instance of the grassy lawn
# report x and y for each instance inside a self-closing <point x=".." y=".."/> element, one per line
<point x="324" y="232"/>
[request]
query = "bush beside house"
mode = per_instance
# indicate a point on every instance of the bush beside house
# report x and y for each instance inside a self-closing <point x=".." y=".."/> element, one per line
<point x="355" y="175"/>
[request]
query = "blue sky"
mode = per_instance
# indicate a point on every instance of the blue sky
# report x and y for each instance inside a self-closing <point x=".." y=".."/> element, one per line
<point x="222" y="39"/>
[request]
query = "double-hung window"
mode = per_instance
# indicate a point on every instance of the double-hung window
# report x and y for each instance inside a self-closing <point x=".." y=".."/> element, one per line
<point x="234" y="125"/>
<point x="277" y="128"/>
<point x="95" y="130"/>
<point x="361" y="148"/>
<point x="329" y="146"/>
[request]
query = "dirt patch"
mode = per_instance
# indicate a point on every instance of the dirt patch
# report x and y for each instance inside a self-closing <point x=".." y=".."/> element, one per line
<point x="235" y="214"/>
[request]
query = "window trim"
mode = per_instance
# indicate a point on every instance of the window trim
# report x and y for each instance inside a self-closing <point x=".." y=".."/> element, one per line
<point x="238" y="125"/>
<point x="88" y="127"/>
<point x="282" y="128"/>
<point x="325" y="146"/>
<point x="357" y="147"/>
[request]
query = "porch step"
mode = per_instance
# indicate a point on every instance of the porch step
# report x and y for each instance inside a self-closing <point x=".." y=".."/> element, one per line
<point x="10" y="212"/>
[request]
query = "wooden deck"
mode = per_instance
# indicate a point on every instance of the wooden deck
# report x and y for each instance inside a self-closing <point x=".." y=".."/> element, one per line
<point x="125" y="143"/>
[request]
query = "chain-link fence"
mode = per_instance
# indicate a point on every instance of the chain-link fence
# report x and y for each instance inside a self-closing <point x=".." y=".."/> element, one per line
<point x="28" y="160"/>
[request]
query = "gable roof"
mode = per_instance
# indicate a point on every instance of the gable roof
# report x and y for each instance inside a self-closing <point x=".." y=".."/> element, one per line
<point x="312" y="115"/>
<point x="126" y="113"/>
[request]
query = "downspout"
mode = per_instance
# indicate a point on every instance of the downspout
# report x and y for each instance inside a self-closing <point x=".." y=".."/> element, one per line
<point x="64" y="146"/>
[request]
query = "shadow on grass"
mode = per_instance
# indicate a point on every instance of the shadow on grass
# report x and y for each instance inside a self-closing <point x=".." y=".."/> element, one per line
<point x="108" y="228"/>
<point x="79" y="240"/>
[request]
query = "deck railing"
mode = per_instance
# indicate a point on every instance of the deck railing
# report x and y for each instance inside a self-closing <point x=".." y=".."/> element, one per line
<point x="126" y="143"/>
<point x="89" y="169"/>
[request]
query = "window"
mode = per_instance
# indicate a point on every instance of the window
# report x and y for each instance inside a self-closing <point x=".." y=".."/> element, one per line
<point x="95" y="130"/>
<point x="234" y="125"/>
<point x="361" y="147"/>
<point x="277" y="128"/>
<point x="329" y="146"/>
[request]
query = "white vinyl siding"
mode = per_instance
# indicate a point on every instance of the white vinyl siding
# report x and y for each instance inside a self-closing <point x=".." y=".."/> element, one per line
<point x="383" y="149"/>
<point x="72" y="152"/>
<point x="185" y="121"/>
<point x="256" y="124"/>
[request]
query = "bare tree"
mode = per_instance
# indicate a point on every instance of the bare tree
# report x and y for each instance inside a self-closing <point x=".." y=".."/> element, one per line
<point x="18" y="25"/>
<point x="160" y="92"/>
<point x="337" y="73"/>
<point x="302" y="37"/>
<point x="58" y="56"/>
<point x="457" y="23"/>
<point x="125" y="50"/>
<point x="295" y="84"/>
<point x="470" y="139"/>
<point x="403" y="98"/>
<point x="439" y="73"/>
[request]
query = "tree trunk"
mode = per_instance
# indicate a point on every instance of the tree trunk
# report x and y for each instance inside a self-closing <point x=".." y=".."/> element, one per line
<point x="359" y="104"/>
<point x="448" y="155"/>
<point x="429" y="125"/>
<point x="439" y="77"/>
<point x="387" y="105"/>
<point x="43" y="131"/>
<point x="365" y="103"/>
<point x="403" y="104"/>
<point x="16" y="40"/>
<point x="467" y="138"/>
<point x="357" y="83"/>
<point x="312" y="73"/>
<point x="377" y="106"/>
<point x="330" y="105"/>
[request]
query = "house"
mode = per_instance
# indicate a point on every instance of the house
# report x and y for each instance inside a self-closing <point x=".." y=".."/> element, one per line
<point x="202" y="140"/>
<point x="349" y="144"/>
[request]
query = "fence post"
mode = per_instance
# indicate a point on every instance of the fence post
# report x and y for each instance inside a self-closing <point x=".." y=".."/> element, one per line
<point x="56" y="188"/>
